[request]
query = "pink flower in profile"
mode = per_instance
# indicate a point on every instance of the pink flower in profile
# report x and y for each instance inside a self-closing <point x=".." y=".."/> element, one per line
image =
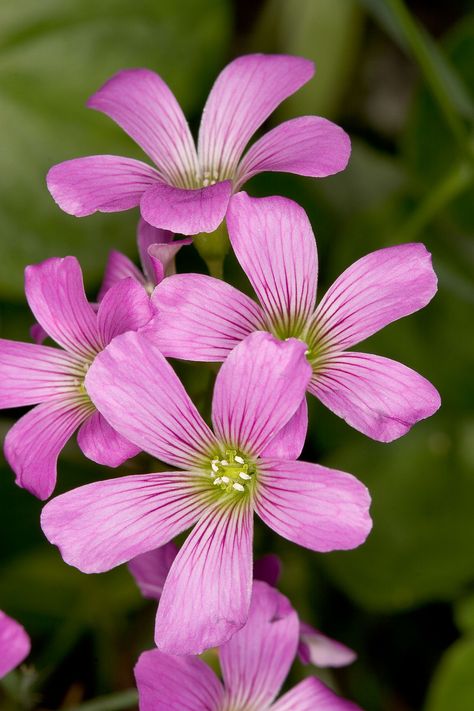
<point x="202" y="319"/>
<point x="53" y="379"/>
<point x="244" y="466"/>
<point x="188" y="190"/>
<point x="254" y="664"/>
<point x="14" y="644"/>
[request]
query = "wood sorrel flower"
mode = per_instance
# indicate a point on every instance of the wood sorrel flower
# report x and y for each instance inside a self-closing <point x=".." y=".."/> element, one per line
<point x="14" y="644"/>
<point x="224" y="476"/>
<point x="31" y="373"/>
<point x="188" y="191"/>
<point x="201" y="318"/>
<point x="254" y="664"/>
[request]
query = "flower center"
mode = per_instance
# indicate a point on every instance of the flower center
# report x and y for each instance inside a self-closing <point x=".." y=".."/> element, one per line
<point x="80" y="375"/>
<point x="206" y="178"/>
<point x="233" y="473"/>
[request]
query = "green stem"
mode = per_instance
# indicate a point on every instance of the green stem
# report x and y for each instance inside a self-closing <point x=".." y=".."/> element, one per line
<point x="112" y="702"/>
<point x="213" y="248"/>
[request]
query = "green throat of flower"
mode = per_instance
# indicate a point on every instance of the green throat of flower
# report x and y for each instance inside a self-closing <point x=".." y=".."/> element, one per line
<point x="232" y="473"/>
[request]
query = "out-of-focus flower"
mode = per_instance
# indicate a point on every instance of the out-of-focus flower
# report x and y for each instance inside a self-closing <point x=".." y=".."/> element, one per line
<point x="14" y="644"/>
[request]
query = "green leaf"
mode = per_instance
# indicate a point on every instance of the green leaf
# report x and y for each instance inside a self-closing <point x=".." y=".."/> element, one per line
<point x="452" y="687"/>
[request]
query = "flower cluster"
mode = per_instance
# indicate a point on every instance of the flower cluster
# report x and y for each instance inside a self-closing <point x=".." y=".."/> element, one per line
<point x="110" y="380"/>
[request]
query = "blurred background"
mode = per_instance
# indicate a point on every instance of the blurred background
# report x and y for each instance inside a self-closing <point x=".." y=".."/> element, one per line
<point x="400" y="79"/>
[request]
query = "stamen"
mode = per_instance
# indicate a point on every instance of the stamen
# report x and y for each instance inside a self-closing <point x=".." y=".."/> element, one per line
<point x="231" y="473"/>
<point x="239" y="460"/>
<point x="245" y="476"/>
<point x="238" y="487"/>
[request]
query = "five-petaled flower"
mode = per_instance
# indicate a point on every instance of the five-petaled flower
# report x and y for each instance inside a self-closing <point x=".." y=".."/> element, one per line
<point x="188" y="190"/>
<point x="53" y="379"/>
<point x="254" y="664"/>
<point x="14" y="644"/>
<point x="245" y="465"/>
<point x="201" y="318"/>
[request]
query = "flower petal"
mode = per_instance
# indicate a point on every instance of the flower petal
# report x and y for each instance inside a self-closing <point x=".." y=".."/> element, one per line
<point x="101" y="525"/>
<point x="289" y="442"/>
<point x="105" y="183"/>
<point x="322" y="651"/>
<point x="141" y="397"/>
<point x="311" y="695"/>
<point x="55" y="292"/>
<point x="162" y="256"/>
<point x="186" y="211"/>
<point x="118" y="267"/>
<point x="376" y="290"/>
<point x="375" y="395"/>
<point x="140" y="102"/>
<point x="256" y="660"/>
<point x="258" y="389"/>
<point x="318" y="508"/>
<point x="244" y="95"/>
<point x="146" y="236"/>
<point x="14" y="644"/>
<point x="274" y="243"/>
<point x="201" y="318"/>
<point x="33" y="444"/>
<point x="101" y="443"/>
<point x="268" y="569"/>
<point x="166" y="682"/>
<point x="125" y="307"/>
<point x="308" y="145"/>
<point x="206" y="596"/>
<point x="150" y="569"/>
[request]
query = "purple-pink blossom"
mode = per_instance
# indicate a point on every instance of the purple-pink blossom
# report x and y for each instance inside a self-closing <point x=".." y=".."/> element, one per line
<point x="254" y="665"/>
<point x="188" y="190"/>
<point x="14" y="644"/>
<point x="201" y="318"/>
<point x="246" y="465"/>
<point x="53" y="378"/>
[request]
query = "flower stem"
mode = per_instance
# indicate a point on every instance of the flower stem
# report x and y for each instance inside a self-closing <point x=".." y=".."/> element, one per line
<point x="213" y="248"/>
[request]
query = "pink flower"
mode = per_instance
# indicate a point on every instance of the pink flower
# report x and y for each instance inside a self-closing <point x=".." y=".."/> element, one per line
<point x="53" y="379"/>
<point x="188" y="190"/>
<point x="14" y="644"/>
<point x="202" y="319"/>
<point x="254" y="664"/>
<point x="224" y="476"/>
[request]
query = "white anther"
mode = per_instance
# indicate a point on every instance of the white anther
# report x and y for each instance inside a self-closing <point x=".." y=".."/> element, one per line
<point x="245" y="476"/>
<point x="224" y="462"/>
<point x="239" y="459"/>
<point x="238" y="487"/>
<point x="218" y="480"/>
<point x="205" y="182"/>
<point x="214" y="466"/>
<point x="213" y="182"/>
<point x="226" y="480"/>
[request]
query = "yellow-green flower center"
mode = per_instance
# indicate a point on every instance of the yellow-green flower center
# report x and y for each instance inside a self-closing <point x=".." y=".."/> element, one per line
<point x="232" y="473"/>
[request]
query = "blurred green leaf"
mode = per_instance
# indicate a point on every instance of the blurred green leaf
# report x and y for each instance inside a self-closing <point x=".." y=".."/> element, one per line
<point x="464" y="613"/>
<point x="452" y="688"/>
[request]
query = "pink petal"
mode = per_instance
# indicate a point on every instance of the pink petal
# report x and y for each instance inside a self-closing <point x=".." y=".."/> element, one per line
<point x="101" y="443"/>
<point x="258" y="389"/>
<point x="167" y="683"/>
<point x="30" y="373"/>
<point x="118" y="267"/>
<point x="14" y="644"/>
<point x="376" y="290"/>
<point x="318" y="508"/>
<point x="375" y="395"/>
<point x="55" y="292"/>
<point x="140" y="102"/>
<point x="274" y="243"/>
<point x="101" y="525"/>
<point x="308" y="145"/>
<point x="312" y="695"/>
<point x="162" y="258"/>
<point x="322" y="651"/>
<point x="33" y="444"/>
<point x="268" y="569"/>
<point x="38" y="334"/>
<point x="141" y="397"/>
<point x="201" y="318"/>
<point x="289" y="442"/>
<point x="150" y="569"/>
<point x="244" y="94"/>
<point x="125" y="307"/>
<point x="146" y="236"/>
<point x="206" y="596"/>
<point x="186" y="211"/>
<point x="256" y="661"/>
<point x="106" y="183"/>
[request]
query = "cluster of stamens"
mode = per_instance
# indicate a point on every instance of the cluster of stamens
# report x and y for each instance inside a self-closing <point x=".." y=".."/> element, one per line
<point x="207" y="178"/>
<point x="231" y="473"/>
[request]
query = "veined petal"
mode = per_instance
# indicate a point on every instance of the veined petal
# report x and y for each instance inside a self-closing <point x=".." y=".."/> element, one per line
<point x="318" y="508"/>
<point x="101" y="443"/>
<point x="146" y="236"/>
<point x="244" y="94"/>
<point x="30" y="373"/>
<point x="206" y="596"/>
<point x="186" y="211"/>
<point x="14" y="644"/>
<point x="308" y="145"/>
<point x="258" y="389"/>
<point x="33" y="444"/>
<point x="312" y="695"/>
<point x="101" y="525"/>
<point x="55" y="293"/>
<point x="140" y="102"/>
<point x="375" y="395"/>
<point x="167" y="683"/>
<point x="268" y="569"/>
<point x="162" y="258"/>
<point x="151" y="569"/>
<point x="289" y="442"/>
<point x="257" y="659"/>
<point x="322" y="651"/>
<point x="376" y="290"/>
<point x="201" y="318"/>
<point x="125" y="307"/>
<point x="141" y="397"/>
<point x="105" y="183"/>
<point x="274" y="243"/>
<point x="118" y="267"/>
